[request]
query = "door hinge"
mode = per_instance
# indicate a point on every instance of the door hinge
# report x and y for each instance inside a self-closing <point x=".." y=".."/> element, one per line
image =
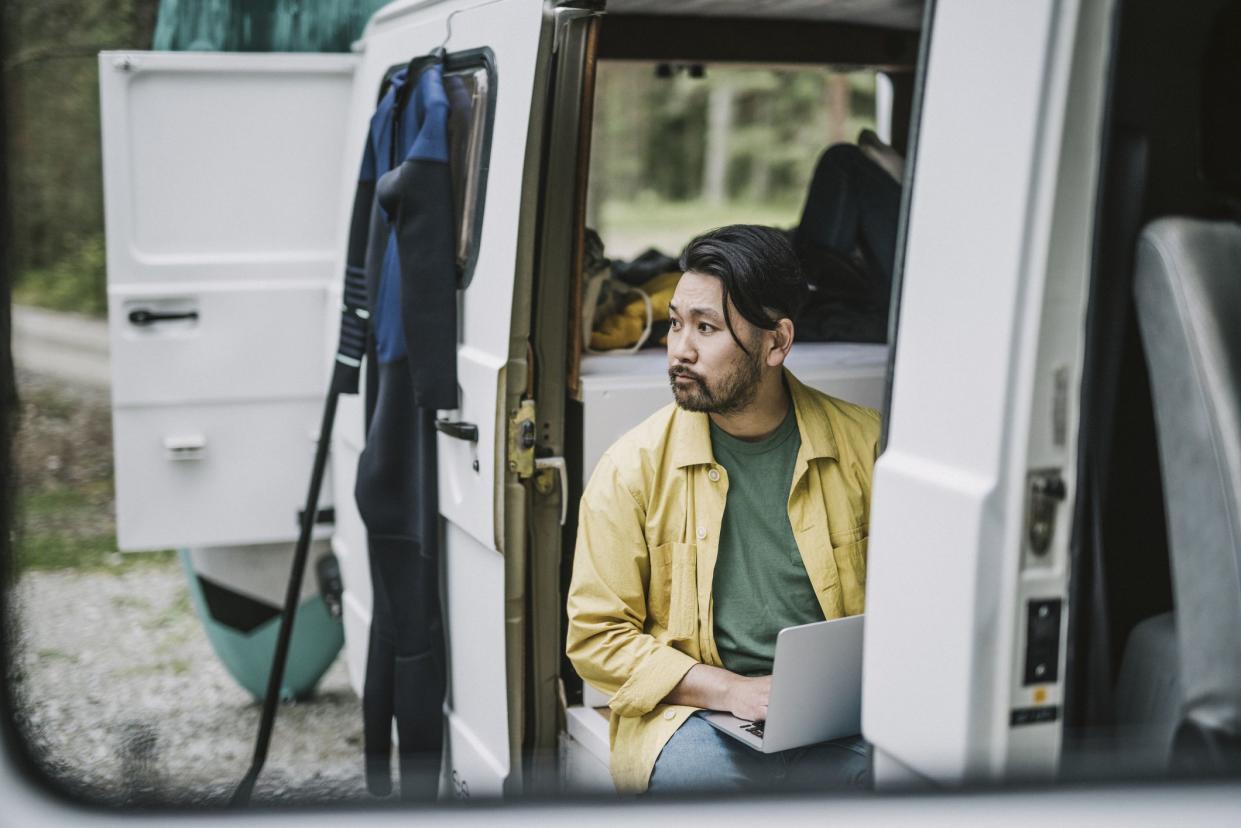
<point x="521" y="440"/>
<point x="1044" y="493"/>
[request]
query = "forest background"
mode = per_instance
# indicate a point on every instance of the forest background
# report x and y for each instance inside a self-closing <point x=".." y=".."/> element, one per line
<point x="677" y="149"/>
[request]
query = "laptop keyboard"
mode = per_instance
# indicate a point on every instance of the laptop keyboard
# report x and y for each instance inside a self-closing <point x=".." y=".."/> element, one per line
<point x="754" y="727"/>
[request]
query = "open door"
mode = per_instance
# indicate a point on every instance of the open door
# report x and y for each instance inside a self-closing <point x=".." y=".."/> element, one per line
<point x="499" y="44"/>
<point x="223" y="176"/>
<point x="967" y="592"/>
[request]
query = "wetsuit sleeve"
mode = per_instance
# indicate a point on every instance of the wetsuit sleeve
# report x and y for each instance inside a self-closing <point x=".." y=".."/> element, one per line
<point x="355" y="302"/>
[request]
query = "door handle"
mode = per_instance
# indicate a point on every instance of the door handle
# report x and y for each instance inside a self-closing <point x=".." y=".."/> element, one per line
<point x="185" y="447"/>
<point x="558" y="465"/>
<point x="142" y="316"/>
<point x="459" y="430"/>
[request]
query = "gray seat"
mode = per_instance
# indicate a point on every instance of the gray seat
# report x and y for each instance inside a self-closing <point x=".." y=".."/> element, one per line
<point x="1148" y="696"/>
<point x="1187" y="289"/>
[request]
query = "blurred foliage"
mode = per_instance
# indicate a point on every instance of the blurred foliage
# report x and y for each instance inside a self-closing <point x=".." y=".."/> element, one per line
<point x="73" y="282"/>
<point x="52" y="97"/>
<point x="654" y="140"/>
<point x="652" y="145"/>
<point x="55" y="180"/>
<point x="262" y="25"/>
<point x="651" y="221"/>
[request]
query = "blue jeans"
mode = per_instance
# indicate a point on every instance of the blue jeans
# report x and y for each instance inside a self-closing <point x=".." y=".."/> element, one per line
<point x="852" y="203"/>
<point x="700" y="758"/>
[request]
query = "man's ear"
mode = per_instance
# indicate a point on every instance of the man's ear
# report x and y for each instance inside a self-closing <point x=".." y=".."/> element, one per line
<point x="782" y="340"/>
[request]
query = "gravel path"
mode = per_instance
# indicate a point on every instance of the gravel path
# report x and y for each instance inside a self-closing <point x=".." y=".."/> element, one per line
<point x="124" y="699"/>
<point x="65" y="346"/>
<point x="120" y="692"/>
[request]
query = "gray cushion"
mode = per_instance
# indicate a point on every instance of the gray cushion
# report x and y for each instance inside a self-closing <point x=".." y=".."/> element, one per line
<point x="1148" y="690"/>
<point x="1187" y="290"/>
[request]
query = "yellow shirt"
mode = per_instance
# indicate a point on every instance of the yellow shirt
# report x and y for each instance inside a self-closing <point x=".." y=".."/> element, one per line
<point x="640" y="607"/>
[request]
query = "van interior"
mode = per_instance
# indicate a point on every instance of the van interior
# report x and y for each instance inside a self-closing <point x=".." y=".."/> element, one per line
<point x="610" y="385"/>
<point x="1154" y="667"/>
<point x="1137" y="703"/>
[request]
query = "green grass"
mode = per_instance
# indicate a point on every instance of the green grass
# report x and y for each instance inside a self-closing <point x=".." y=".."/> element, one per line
<point x="69" y="528"/>
<point x="630" y="227"/>
<point x="53" y="503"/>
<point x="44" y="551"/>
<point x="55" y="653"/>
<point x="48" y="550"/>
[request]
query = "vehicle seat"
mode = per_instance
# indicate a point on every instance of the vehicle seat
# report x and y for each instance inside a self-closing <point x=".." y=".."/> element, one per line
<point x="1187" y="292"/>
<point x="891" y="161"/>
<point x="1148" y="694"/>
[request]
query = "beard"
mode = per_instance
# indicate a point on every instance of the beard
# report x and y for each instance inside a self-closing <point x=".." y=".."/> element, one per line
<point x="727" y="394"/>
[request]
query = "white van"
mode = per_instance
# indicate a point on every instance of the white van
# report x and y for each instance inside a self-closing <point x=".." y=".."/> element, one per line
<point x="1018" y="536"/>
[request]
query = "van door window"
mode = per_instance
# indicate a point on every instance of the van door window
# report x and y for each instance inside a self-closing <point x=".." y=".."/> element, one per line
<point x="470" y="81"/>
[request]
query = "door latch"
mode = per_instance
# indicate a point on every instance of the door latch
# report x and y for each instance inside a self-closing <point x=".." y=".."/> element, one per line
<point x="1045" y="492"/>
<point x="521" y="440"/>
<point x="523" y="463"/>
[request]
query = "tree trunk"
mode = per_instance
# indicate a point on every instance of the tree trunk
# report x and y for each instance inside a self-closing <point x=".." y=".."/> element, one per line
<point x="719" y="126"/>
<point x="839" y="109"/>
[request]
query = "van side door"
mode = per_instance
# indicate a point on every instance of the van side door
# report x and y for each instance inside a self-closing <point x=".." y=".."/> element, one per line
<point x="508" y="39"/>
<point x="967" y="592"/>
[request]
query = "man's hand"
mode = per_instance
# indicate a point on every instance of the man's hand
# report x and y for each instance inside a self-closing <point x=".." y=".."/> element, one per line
<point x="718" y="689"/>
<point x="747" y="697"/>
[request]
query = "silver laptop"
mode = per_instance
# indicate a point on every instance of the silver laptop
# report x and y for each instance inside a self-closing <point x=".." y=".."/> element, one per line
<point x="816" y="689"/>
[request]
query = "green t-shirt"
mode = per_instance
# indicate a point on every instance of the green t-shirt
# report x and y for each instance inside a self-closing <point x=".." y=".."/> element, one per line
<point x="761" y="585"/>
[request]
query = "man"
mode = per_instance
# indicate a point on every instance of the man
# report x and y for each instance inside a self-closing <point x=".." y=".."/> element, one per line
<point x="738" y="511"/>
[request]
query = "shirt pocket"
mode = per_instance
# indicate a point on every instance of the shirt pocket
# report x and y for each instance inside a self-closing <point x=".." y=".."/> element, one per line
<point x="672" y="599"/>
<point x="849" y="552"/>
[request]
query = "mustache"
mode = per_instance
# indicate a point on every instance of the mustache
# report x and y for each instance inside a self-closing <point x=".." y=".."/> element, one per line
<point x="683" y="372"/>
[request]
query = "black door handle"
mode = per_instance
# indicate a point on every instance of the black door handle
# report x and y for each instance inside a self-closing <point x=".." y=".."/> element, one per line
<point x="142" y="316"/>
<point x="462" y="431"/>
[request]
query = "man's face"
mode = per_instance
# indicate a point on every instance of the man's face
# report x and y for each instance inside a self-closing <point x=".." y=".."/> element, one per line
<point x="708" y="370"/>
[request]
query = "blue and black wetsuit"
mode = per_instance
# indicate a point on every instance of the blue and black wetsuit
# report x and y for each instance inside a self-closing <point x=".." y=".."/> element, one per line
<point x="402" y="237"/>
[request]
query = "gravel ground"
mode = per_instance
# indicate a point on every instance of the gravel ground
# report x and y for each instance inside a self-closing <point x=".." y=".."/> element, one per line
<point x="120" y="693"/>
<point x="124" y="699"/>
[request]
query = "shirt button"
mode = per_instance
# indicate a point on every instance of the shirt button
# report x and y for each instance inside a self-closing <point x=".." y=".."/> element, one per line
<point x="713" y="475"/>
<point x="702" y="533"/>
<point x="670" y="715"/>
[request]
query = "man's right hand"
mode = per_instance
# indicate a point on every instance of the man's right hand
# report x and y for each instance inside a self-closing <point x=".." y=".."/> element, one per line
<point x="718" y="689"/>
<point x="747" y="697"/>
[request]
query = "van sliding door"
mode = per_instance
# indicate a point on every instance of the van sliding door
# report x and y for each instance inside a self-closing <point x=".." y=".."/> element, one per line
<point x="968" y="583"/>
<point x="503" y="38"/>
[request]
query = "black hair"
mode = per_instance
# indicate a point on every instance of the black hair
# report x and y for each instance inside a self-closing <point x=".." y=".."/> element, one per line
<point x="758" y="268"/>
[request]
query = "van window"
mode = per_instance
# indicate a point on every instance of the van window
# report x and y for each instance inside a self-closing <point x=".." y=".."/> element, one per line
<point x="470" y="81"/>
<point x="681" y="148"/>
